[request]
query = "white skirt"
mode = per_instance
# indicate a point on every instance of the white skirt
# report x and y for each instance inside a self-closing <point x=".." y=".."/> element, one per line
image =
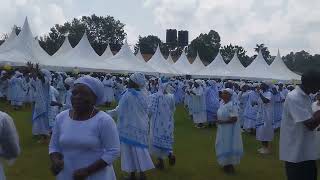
<point x="200" y="117"/>
<point x="135" y="159"/>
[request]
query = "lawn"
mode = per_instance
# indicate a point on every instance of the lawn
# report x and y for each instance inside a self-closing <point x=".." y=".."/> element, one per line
<point x="194" y="149"/>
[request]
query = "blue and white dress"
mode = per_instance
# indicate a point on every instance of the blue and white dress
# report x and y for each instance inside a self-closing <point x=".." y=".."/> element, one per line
<point x="229" y="147"/>
<point x="161" y="110"/>
<point x="212" y="103"/>
<point x="133" y="127"/>
<point x="40" y="116"/>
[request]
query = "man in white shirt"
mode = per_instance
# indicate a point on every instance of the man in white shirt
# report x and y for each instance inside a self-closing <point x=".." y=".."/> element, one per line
<point x="297" y="135"/>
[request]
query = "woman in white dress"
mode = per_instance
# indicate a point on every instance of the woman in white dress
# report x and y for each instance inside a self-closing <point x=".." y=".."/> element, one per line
<point x="265" y="131"/>
<point x="9" y="141"/>
<point x="199" y="111"/>
<point x="229" y="148"/>
<point x="85" y="141"/>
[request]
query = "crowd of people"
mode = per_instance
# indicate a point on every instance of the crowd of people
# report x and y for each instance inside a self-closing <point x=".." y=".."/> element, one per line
<point x="84" y="141"/>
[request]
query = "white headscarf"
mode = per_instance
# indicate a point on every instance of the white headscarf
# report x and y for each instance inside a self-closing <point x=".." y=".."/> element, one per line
<point x="230" y="91"/>
<point x="69" y="81"/>
<point x="212" y="82"/>
<point x="139" y="79"/>
<point x="47" y="74"/>
<point x="95" y="86"/>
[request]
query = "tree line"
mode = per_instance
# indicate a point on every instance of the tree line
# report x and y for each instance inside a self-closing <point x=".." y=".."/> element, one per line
<point x="104" y="30"/>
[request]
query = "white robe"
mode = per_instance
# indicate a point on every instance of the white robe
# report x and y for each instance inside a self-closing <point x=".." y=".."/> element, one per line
<point x="108" y="90"/>
<point x="229" y="147"/>
<point x="265" y="130"/>
<point x="199" y="111"/>
<point x="9" y="146"/>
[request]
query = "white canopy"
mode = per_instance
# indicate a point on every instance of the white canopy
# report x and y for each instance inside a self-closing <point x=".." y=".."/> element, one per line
<point x="217" y="68"/>
<point x="182" y="65"/>
<point x="258" y="69"/>
<point x="160" y="64"/>
<point x="21" y="49"/>
<point x="107" y="53"/>
<point x="197" y="65"/>
<point x="65" y="48"/>
<point x="169" y="59"/>
<point x="126" y="62"/>
<point x="140" y="57"/>
<point x="235" y="67"/>
<point x="11" y="38"/>
<point x="82" y="56"/>
<point x="281" y="71"/>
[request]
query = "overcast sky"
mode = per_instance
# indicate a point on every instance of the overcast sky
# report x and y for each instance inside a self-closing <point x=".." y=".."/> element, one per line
<point x="289" y="25"/>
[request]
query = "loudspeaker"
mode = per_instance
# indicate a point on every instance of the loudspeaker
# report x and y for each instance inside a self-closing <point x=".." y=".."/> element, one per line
<point x="183" y="38"/>
<point x="171" y="36"/>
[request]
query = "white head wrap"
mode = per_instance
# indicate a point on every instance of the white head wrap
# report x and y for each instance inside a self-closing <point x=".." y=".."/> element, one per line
<point x="47" y="74"/>
<point x="95" y="86"/>
<point x="230" y="91"/>
<point x="69" y="81"/>
<point x="198" y="81"/>
<point x="212" y="82"/>
<point x="139" y="79"/>
<point x="268" y="83"/>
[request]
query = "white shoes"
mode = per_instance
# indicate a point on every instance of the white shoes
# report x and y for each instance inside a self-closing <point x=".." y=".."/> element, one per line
<point x="264" y="151"/>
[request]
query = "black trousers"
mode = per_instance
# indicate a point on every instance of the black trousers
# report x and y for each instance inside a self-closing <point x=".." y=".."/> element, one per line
<point x="306" y="170"/>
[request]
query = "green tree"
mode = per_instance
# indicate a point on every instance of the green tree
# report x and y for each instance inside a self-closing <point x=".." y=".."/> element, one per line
<point x="228" y="51"/>
<point x="149" y="44"/>
<point x="207" y="45"/>
<point x="101" y="31"/>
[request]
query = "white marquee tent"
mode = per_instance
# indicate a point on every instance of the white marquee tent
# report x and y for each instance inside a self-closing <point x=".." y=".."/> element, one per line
<point x="183" y="65"/>
<point x="197" y="65"/>
<point x="281" y="71"/>
<point x="170" y="60"/>
<point x="18" y="50"/>
<point x="235" y="67"/>
<point x="125" y="61"/>
<point x="107" y="53"/>
<point x="258" y="69"/>
<point x="217" y="68"/>
<point x="21" y="49"/>
<point x="65" y="48"/>
<point x="159" y="63"/>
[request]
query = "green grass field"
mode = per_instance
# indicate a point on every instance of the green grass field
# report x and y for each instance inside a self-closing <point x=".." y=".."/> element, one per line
<point x="194" y="149"/>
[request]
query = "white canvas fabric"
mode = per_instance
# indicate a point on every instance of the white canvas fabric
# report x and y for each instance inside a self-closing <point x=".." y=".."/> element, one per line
<point x="11" y="37"/>
<point x="140" y="57"/>
<point x="217" y="68"/>
<point x="182" y="65"/>
<point x="281" y="71"/>
<point x="65" y="48"/>
<point x="20" y="50"/>
<point x="82" y="57"/>
<point x="258" y="69"/>
<point x="169" y="59"/>
<point x="158" y="63"/>
<point x="125" y="61"/>
<point x="235" y="67"/>
<point x="197" y="65"/>
<point x="107" y="53"/>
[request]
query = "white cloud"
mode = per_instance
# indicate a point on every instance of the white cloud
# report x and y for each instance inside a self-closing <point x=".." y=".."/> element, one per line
<point x="277" y="23"/>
